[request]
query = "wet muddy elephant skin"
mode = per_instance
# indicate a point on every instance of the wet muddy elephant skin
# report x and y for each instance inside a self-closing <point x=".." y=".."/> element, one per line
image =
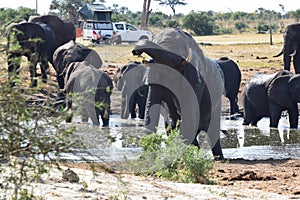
<point x="232" y="81"/>
<point x="291" y="47"/>
<point x="180" y="69"/>
<point x="267" y="95"/>
<point x="132" y="75"/>
<point x="90" y="91"/>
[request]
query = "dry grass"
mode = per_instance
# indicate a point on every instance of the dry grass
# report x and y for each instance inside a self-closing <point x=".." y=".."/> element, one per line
<point x="248" y="50"/>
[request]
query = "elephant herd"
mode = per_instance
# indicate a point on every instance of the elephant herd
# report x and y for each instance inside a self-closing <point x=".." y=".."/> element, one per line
<point x="178" y="82"/>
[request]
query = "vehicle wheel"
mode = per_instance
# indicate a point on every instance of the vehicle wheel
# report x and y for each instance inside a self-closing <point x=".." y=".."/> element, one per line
<point x="144" y="37"/>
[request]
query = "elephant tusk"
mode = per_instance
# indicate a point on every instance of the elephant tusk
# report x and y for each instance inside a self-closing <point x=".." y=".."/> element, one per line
<point x="279" y="54"/>
<point x="190" y="56"/>
<point x="293" y="54"/>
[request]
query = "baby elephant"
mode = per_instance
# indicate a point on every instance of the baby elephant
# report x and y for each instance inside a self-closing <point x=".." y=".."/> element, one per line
<point x="268" y="95"/>
<point x="130" y="80"/>
<point x="89" y="89"/>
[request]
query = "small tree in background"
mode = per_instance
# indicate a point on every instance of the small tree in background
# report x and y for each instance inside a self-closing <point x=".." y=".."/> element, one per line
<point x="172" y="3"/>
<point x="296" y="15"/>
<point x="200" y="23"/>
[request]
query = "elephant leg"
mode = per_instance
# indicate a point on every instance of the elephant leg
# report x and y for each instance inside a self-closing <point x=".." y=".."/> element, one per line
<point x="217" y="150"/>
<point x="249" y="113"/>
<point x="44" y="70"/>
<point x="105" y="116"/>
<point x="142" y="105"/>
<point x="69" y="110"/>
<point x="293" y="116"/>
<point x="287" y="61"/>
<point x="275" y="114"/>
<point x="142" y="101"/>
<point x="32" y="69"/>
<point x="152" y="112"/>
<point x="132" y="103"/>
<point x="173" y="113"/>
<point x="13" y="62"/>
<point x="234" y="108"/>
<point x="84" y="116"/>
<point x="92" y="112"/>
<point x="296" y="62"/>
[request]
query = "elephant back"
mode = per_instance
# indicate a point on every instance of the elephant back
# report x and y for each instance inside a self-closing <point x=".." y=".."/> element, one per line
<point x="74" y="52"/>
<point x="64" y="31"/>
<point x="29" y="35"/>
<point x="49" y="38"/>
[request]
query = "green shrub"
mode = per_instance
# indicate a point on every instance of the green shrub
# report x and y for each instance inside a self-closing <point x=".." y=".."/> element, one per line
<point x="32" y="137"/>
<point x="169" y="157"/>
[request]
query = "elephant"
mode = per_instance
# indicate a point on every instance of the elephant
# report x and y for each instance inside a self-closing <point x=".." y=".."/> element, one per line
<point x="37" y="40"/>
<point x="124" y="83"/>
<point x="73" y="52"/>
<point x="189" y="83"/>
<point x="90" y="90"/>
<point x="291" y="47"/>
<point x="232" y="81"/>
<point x="64" y="31"/>
<point x="267" y="95"/>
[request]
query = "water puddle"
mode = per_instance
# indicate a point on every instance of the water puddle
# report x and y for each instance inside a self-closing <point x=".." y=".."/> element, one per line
<point x="119" y="141"/>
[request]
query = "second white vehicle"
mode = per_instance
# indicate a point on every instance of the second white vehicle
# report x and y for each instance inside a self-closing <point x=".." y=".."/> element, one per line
<point x="129" y="33"/>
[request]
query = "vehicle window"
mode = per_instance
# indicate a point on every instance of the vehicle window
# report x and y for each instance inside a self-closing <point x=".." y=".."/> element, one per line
<point x="131" y="28"/>
<point x="102" y="26"/>
<point x="119" y="26"/>
<point x="88" y="26"/>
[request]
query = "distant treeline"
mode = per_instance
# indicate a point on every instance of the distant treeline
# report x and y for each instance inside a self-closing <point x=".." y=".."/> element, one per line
<point x="198" y="22"/>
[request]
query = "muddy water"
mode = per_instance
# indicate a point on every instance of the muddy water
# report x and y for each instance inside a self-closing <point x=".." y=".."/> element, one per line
<point x="119" y="141"/>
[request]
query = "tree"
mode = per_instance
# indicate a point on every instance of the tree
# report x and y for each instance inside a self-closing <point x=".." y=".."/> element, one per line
<point x="145" y="14"/>
<point x="62" y="5"/>
<point x="171" y="3"/>
<point x="200" y="23"/>
<point x="296" y="15"/>
<point x="9" y="15"/>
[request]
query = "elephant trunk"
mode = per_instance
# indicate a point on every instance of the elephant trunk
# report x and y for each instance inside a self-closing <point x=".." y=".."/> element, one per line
<point x="125" y="107"/>
<point x="159" y="54"/>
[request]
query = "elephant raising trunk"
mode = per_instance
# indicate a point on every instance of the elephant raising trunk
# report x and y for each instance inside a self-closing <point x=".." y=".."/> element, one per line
<point x="189" y="83"/>
<point x="290" y="47"/>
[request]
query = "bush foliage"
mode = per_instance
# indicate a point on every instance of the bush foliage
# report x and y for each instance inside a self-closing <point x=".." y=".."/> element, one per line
<point x="32" y="137"/>
<point x="170" y="157"/>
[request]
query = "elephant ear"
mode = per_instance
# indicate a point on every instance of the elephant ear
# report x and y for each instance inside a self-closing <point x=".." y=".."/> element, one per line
<point x="278" y="91"/>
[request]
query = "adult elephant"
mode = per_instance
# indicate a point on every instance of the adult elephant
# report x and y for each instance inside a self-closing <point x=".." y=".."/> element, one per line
<point x="73" y="52"/>
<point x="291" y="47"/>
<point x="90" y="90"/>
<point x="267" y="95"/>
<point x="37" y="40"/>
<point x="130" y="80"/>
<point x="189" y="83"/>
<point x="64" y="30"/>
<point x="232" y="81"/>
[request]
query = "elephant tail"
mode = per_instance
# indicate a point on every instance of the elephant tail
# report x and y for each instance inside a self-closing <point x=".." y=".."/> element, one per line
<point x="279" y="54"/>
